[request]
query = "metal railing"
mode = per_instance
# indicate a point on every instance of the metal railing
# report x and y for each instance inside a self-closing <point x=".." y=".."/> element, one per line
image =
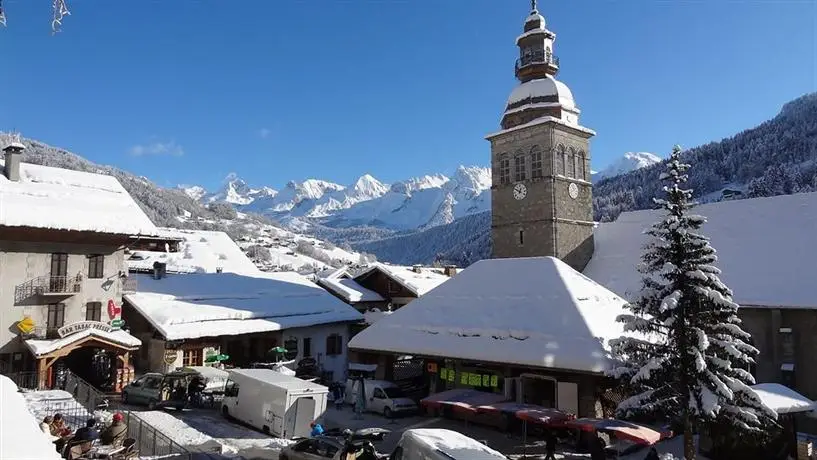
<point x="537" y="57"/>
<point x="45" y="285"/>
<point x="86" y="401"/>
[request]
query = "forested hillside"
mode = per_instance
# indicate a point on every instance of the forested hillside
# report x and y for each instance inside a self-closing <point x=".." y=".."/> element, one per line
<point x="775" y="158"/>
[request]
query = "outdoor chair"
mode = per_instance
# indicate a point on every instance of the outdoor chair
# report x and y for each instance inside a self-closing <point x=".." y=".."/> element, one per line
<point x="130" y="451"/>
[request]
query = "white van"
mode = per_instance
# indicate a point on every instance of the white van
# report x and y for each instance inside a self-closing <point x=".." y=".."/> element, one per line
<point x="437" y="444"/>
<point x="382" y="397"/>
<point x="275" y="403"/>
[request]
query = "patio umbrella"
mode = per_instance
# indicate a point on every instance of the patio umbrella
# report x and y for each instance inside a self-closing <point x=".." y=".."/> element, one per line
<point x="216" y="358"/>
<point x="639" y="434"/>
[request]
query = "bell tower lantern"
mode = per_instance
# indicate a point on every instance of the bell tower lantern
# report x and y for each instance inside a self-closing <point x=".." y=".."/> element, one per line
<point x="541" y="197"/>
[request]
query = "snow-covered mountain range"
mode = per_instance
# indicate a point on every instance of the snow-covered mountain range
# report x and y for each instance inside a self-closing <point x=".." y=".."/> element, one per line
<point x="411" y="204"/>
<point x="629" y="162"/>
<point x="419" y="202"/>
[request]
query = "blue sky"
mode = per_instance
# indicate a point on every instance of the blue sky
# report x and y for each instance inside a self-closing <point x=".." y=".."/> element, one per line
<point x="186" y="91"/>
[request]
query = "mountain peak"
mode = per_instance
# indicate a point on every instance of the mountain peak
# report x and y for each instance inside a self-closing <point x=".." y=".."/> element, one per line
<point x="367" y="186"/>
<point x="630" y="161"/>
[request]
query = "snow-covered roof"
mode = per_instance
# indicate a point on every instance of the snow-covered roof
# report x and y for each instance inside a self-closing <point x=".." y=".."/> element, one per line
<point x="765" y="249"/>
<point x="454" y="444"/>
<point x="280" y="380"/>
<point x="783" y="399"/>
<point x="43" y="347"/>
<point x="533" y="312"/>
<point x="540" y="121"/>
<point x="20" y="435"/>
<point x="212" y="305"/>
<point x="349" y="290"/>
<point x="200" y="251"/>
<point x="63" y="199"/>
<point x="543" y="87"/>
<point x="417" y="283"/>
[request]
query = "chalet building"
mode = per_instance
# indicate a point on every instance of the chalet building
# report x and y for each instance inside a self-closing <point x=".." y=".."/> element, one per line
<point x="532" y="329"/>
<point x="63" y="235"/>
<point x="201" y="318"/>
<point x="340" y="283"/>
<point x="401" y="285"/>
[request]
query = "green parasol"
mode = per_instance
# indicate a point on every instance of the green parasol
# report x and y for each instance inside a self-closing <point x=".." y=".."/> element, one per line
<point x="216" y="358"/>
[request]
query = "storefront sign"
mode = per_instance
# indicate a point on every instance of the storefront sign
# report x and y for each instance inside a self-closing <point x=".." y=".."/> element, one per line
<point x="26" y="325"/>
<point x="113" y="310"/>
<point x="470" y="378"/>
<point x="80" y="326"/>
<point x="117" y="323"/>
<point x="432" y="368"/>
<point x="170" y="356"/>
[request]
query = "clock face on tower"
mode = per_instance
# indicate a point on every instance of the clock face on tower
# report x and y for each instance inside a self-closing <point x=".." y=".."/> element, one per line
<point x="520" y="191"/>
<point x="573" y="190"/>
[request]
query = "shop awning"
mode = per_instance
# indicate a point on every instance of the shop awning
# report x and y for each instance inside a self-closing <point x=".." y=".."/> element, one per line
<point x="639" y="434"/>
<point x="464" y="399"/>
<point x="529" y="412"/>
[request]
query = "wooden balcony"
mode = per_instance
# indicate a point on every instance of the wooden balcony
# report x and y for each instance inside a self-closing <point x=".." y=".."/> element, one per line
<point x="48" y="286"/>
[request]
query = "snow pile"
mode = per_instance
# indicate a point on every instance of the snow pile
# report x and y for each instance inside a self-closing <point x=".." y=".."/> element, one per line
<point x="200" y="251"/>
<point x="631" y="161"/>
<point x="212" y="305"/>
<point x="20" y="434"/>
<point x="63" y="199"/>
<point x="533" y="311"/>
<point x="767" y="275"/>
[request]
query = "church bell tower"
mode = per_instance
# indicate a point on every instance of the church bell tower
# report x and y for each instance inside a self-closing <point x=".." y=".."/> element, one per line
<point x="541" y="197"/>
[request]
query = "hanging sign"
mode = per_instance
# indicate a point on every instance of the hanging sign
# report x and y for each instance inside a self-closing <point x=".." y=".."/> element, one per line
<point x="80" y="326"/>
<point x="113" y="310"/>
<point x="26" y="325"/>
<point x="117" y="324"/>
<point x="170" y="356"/>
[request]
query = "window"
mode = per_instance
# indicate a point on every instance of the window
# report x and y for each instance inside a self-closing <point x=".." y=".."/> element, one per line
<point x="192" y="357"/>
<point x="152" y="382"/>
<point x="307" y="347"/>
<point x="571" y="163"/>
<point x="548" y="54"/>
<point x="392" y="287"/>
<point x="291" y="346"/>
<point x="519" y="162"/>
<point x="535" y="162"/>
<point x="378" y="394"/>
<point x="521" y="237"/>
<point x="93" y="311"/>
<point x="96" y="266"/>
<point x="56" y="316"/>
<point x="334" y="345"/>
<point x="560" y="160"/>
<point x="582" y="172"/>
<point x="504" y="170"/>
<point x="59" y="264"/>
<point x="231" y="388"/>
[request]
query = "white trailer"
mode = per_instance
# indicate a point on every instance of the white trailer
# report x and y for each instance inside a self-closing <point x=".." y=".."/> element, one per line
<point x="275" y="403"/>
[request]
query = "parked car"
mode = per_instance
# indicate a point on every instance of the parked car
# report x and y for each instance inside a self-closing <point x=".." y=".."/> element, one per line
<point x="335" y="443"/>
<point x="159" y="390"/>
<point x="439" y="444"/>
<point x="382" y="397"/>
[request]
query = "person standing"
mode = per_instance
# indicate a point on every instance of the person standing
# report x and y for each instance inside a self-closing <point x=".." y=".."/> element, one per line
<point x="550" y="446"/>
<point x="317" y="429"/>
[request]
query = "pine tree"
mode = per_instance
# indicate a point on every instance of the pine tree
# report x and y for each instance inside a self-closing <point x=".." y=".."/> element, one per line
<point x="685" y="354"/>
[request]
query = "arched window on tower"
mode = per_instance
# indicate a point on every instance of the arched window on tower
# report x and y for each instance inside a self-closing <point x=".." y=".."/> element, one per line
<point x="536" y="166"/>
<point x="571" y="163"/>
<point x="548" y="54"/>
<point x="519" y="161"/>
<point x="504" y="169"/>
<point x="582" y="161"/>
<point x="560" y="159"/>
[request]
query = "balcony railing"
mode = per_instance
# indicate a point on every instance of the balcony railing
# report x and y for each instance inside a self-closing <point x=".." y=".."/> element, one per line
<point x="48" y="285"/>
<point x="537" y="57"/>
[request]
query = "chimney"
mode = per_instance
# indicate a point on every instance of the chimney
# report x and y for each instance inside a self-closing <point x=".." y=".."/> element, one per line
<point x="159" y="270"/>
<point x="13" y="152"/>
<point x="450" y="270"/>
<point x="219" y="269"/>
<point x="417" y="268"/>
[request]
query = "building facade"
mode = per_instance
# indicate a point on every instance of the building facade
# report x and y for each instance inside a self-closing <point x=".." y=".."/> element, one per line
<point x="541" y="197"/>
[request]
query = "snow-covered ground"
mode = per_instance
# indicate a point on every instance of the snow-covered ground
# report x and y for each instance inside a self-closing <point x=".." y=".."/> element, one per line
<point x="192" y="428"/>
<point x="20" y="435"/>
